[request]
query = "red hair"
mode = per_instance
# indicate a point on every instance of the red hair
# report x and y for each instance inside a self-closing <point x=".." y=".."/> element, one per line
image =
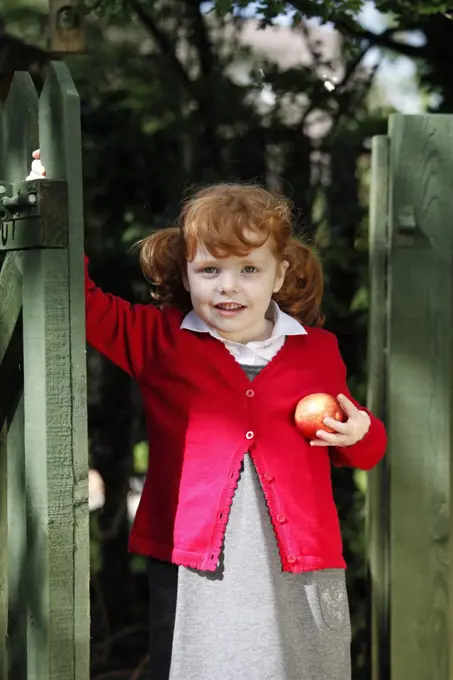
<point x="232" y="219"/>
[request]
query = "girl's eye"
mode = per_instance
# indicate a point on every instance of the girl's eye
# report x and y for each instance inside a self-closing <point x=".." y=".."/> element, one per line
<point x="209" y="270"/>
<point x="250" y="270"/>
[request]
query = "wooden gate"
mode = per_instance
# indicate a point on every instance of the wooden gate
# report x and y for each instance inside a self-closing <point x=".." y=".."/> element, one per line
<point x="411" y="387"/>
<point x="44" y="547"/>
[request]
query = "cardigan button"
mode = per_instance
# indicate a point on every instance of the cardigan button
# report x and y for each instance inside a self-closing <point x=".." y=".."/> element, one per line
<point x="249" y="435"/>
<point x="268" y="478"/>
<point x="291" y="559"/>
<point x="281" y="519"/>
<point x="250" y="393"/>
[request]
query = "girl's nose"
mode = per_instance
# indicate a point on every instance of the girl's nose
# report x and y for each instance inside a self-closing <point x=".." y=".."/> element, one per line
<point x="227" y="283"/>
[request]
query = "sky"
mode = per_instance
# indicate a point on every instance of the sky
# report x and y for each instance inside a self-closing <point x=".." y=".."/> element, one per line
<point x="396" y="75"/>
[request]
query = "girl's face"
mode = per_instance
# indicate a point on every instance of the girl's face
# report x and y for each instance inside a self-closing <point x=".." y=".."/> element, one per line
<point x="232" y="294"/>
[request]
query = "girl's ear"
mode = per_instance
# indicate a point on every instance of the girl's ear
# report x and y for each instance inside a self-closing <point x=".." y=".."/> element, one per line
<point x="281" y="273"/>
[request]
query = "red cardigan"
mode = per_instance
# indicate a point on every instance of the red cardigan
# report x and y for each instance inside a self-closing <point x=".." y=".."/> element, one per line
<point x="203" y="414"/>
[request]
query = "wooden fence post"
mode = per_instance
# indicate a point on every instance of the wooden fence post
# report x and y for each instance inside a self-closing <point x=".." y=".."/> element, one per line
<point x="414" y="546"/>
<point x="55" y="568"/>
<point x="420" y="396"/>
<point x="20" y="137"/>
<point x="61" y="143"/>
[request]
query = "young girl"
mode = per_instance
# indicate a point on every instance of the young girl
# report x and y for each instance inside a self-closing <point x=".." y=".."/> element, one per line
<point x="237" y="514"/>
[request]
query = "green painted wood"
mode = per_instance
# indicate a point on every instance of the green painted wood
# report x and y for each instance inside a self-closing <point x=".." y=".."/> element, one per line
<point x="3" y="501"/>
<point x="3" y="557"/>
<point x="20" y="127"/>
<point x="49" y="474"/>
<point x="20" y="136"/>
<point x="12" y="512"/>
<point x="420" y="394"/>
<point x="55" y="403"/>
<point x="378" y="479"/>
<point x="46" y="450"/>
<point x="10" y="301"/>
<point x="18" y="579"/>
<point x="60" y="96"/>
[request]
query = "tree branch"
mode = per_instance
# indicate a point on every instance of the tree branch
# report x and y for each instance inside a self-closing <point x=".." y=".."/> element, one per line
<point x="207" y="94"/>
<point x="383" y="39"/>
<point x="347" y="26"/>
<point x="164" y="44"/>
<point x="206" y="56"/>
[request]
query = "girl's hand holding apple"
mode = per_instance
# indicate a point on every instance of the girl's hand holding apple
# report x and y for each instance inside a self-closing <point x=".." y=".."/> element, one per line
<point x="327" y="421"/>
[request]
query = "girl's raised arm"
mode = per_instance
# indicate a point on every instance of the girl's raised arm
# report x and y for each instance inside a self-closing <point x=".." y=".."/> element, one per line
<point x="118" y="329"/>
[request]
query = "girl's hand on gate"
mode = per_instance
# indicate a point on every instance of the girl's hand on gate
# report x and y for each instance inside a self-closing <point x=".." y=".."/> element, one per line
<point x="348" y="433"/>
<point x="38" y="171"/>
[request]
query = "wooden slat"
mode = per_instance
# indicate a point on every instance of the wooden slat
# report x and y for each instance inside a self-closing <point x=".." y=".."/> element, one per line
<point x="420" y="394"/>
<point x="378" y="479"/>
<point x="20" y="127"/>
<point x="48" y="455"/>
<point x="66" y="132"/>
<point x="3" y="501"/>
<point x="17" y="546"/>
<point x="57" y="466"/>
<point x="10" y="300"/>
<point x="20" y="137"/>
<point x="3" y="557"/>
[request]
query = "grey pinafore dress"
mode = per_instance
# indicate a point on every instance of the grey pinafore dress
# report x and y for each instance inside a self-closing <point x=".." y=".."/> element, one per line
<point x="248" y="620"/>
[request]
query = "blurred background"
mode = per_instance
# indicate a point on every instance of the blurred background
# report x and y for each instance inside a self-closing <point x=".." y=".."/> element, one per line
<point x="177" y="93"/>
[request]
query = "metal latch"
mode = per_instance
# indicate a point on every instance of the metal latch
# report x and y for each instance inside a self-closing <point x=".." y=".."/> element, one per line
<point x="33" y="214"/>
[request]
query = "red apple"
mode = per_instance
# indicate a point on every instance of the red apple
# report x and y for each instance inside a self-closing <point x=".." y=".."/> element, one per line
<point x="311" y="411"/>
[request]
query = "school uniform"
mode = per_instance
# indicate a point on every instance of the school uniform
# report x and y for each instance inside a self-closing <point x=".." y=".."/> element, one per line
<point x="237" y="514"/>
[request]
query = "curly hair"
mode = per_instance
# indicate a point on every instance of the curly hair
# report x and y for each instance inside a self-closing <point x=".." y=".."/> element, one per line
<point x="231" y="219"/>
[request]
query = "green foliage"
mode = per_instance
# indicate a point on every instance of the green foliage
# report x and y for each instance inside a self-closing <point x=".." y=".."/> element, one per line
<point x="413" y="8"/>
<point x="268" y="10"/>
<point x="112" y="11"/>
<point x="140" y="456"/>
<point x="339" y="12"/>
<point x="303" y="9"/>
<point x="331" y="10"/>
<point x="95" y="545"/>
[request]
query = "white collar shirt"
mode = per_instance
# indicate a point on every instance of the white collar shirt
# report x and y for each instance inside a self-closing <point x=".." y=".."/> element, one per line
<point x="257" y="353"/>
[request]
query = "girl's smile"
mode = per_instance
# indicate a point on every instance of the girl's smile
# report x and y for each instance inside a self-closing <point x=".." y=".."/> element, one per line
<point x="229" y="309"/>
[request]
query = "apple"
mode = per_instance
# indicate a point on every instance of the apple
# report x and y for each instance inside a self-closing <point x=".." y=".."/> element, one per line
<point x="311" y="411"/>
